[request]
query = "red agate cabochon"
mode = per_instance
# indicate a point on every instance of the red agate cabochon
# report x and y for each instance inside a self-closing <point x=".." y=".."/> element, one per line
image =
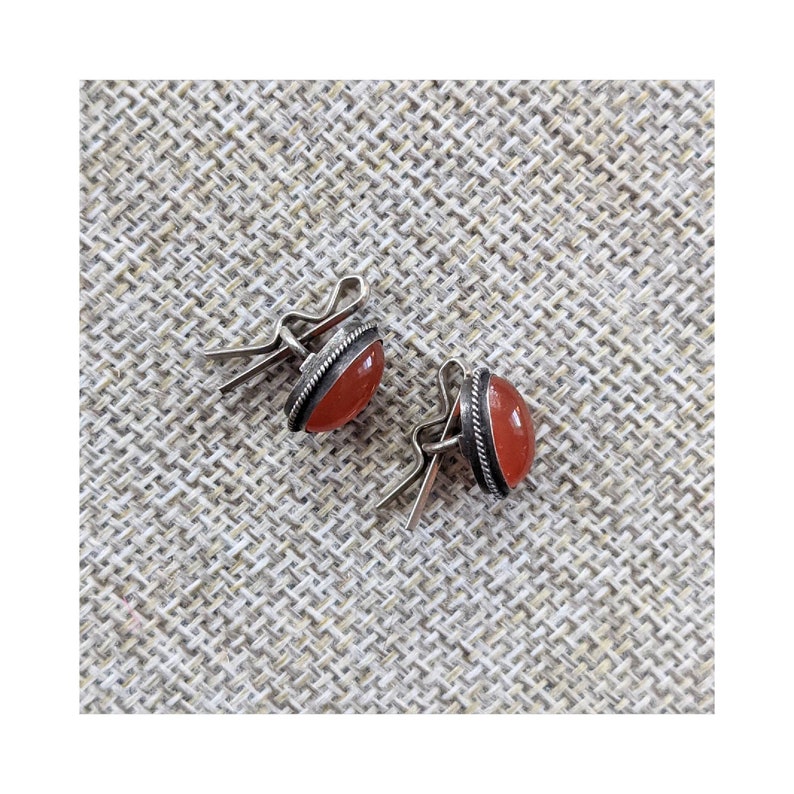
<point x="351" y="392"/>
<point x="497" y="435"/>
<point x="512" y="430"/>
<point x="337" y="383"/>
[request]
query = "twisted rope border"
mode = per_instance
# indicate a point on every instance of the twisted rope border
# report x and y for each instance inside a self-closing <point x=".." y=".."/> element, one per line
<point x="327" y="363"/>
<point x="479" y="440"/>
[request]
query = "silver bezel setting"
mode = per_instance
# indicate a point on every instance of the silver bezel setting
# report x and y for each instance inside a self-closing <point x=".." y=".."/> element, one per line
<point x="321" y="370"/>
<point x="477" y="434"/>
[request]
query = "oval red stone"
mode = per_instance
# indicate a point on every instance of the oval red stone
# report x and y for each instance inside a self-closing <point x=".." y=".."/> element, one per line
<point x="354" y="388"/>
<point x="513" y="431"/>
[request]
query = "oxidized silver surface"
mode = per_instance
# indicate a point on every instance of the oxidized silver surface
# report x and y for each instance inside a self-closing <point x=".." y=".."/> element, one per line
<point x="322" y="370"/>
<point x="477" y="441"/>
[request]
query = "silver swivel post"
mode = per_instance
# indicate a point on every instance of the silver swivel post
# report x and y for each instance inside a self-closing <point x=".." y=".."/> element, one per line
<point x="427" y="455"/>
<point x="284" y="342"/>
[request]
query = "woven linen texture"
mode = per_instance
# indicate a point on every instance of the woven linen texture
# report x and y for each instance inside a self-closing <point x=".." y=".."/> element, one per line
<point x="560" y="233"/>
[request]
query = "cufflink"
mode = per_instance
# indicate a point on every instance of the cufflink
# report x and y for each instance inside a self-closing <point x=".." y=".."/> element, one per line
<point x="484" y="417"/>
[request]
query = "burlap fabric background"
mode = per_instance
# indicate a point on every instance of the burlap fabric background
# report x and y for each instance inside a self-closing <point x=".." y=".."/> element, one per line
<point x="559" y="232"/>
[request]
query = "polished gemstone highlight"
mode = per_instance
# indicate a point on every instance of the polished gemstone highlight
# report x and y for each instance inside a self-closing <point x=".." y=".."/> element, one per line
<point x="352" y="391"/>
<point x="513" y="431"/>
